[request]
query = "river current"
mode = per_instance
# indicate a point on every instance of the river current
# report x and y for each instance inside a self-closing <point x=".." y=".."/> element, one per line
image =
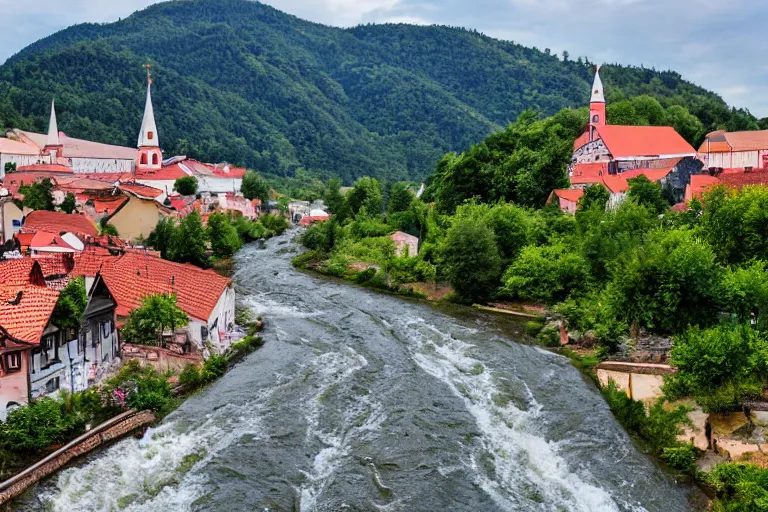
<point x="361" y="401"/>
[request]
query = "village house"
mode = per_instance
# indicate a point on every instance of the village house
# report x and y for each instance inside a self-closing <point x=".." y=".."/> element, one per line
<point x="742" y="151"/>
<point x="405" y="244"/>
<point x="138" y="215"/>
<point x="566" y="199"/>
<point x="206" y="297"/>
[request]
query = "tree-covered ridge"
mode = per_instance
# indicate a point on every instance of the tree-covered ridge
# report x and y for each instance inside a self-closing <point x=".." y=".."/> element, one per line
<point x="243" y="82"/>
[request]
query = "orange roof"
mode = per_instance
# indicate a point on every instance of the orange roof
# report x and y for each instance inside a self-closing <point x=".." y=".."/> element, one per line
<point x="306" y="221"/>
<point x="583" y="139"/>
<point x="141" y="190"/>
<point x="24" y="239"/>
<point x="743" y="179"/>
<point x="79" y="148"/>
<point x="44" y="240"/>
<point x="651" y="174"/>
<point x="89" y="262"/>
<point x="13" y="147"/>
<point x="56" y="264"/>
<point x="26" y="310"/>
<point x="170" y="173"/>
<point x="134" y="276"/>
<point x="747" y="141"/>
<point x="643" y="141"/>
<point x="615" y="184"/>
<point x="20" y="272"/>
<point x="57" y="168"/>
<point x="698" y="185"/>
<point x="59" y="222"/>
<point x="572" y="195"/>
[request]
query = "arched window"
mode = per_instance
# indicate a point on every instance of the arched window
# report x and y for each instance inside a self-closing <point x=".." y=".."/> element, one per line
<point x="150" y="135"/>
<point x="595" y="118"/>
<point x="154" y="158"/>
<point x="143" y="159"/>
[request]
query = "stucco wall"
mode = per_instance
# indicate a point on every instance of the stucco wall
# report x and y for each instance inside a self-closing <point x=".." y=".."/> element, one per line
<point x="137" y="218"/>
<point x="10" y="212"/>
<point x="100" y="165"/>
<point x="14" y="387"/>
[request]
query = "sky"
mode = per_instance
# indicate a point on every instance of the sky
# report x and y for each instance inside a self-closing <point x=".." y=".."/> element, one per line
<point x="718" y="45"/>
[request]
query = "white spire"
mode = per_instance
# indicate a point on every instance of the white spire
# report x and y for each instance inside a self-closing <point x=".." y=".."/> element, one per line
<point x="597" y="88"/>
<point x="53" y="128"/>
<point x="148" y="134"/>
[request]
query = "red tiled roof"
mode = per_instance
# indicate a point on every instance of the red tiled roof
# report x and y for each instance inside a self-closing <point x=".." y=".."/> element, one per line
<point x="178" y="203"/>
<point x="306" y="221"/>
<point x="572" y="195"/>
<point x="743" y="179"/>
<point x="229" y="172"/>
<point x="24" y="239"/>
<point x="13" y="147"/>
<point x="57" y="168"/>
<point x="89" y="262"/>
<point x="44" y="240"/>
<point x="78" y="148"/>
<point x="56" y="264"/>
<point x="21" y="272"/>
<point x="629" y="141"/>
<point x="651" y="174"/>
<point x="615" y="184"/>
<point x="26" y="310"/>
<point x="698" y="185"/>
<point x="747" y="141"/>
<point x="170" y="173"/>
<point x="134" y="276"/>
<point x="59" y="222"/>
<point x="680" y="207"/>
<point x="583" y="174"/>
<point x="583" y="139"/>
<point x="141" y="190"/>
<point x="102" y="204"/>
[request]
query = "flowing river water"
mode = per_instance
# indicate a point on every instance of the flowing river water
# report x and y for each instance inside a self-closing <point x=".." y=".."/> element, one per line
<point x="361" y="401"/>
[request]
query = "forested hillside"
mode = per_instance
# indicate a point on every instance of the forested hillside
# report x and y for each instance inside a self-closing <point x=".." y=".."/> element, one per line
<point x="242" y="82"/>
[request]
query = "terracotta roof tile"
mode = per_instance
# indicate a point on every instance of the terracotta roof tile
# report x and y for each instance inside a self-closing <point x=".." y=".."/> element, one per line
<point x="89" y="262"/>
<point x="572" y="195"/>
<point x="648" y="141"/>
<point x="743" y="179"/>
<point x="13" y="147"/>
<point x="57" y="168"/>
<point x="45" y="240"/>
<point x="59" y="222"/>
<point x="21" y="272"/>
<point x="615" y="184"/>
<point x="26" y="310"/>
<point x="170" y="173"/>
<point x="141" y="190"/>
<point x="583" y="139"/>
<point x="134" y="276"/>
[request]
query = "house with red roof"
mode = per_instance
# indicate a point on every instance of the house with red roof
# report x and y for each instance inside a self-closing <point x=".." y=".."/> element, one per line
<point x="19" y="153"/>
<point x="567" y="199"/>
<point x="59" y="223"/>
<point x="206" y="297"/>
<point x="742" y="151"/>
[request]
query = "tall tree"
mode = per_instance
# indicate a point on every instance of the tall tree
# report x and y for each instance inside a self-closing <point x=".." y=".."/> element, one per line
<point x="400" y="198"/>
<point x="471" y="259"/>
<point x="223" y="236"/>
<point x="254" y="186"/>
<point x="188" y="241"/>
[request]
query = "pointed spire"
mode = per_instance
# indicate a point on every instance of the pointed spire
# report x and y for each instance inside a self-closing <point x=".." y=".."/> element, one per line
<point x="597" y="88"/>
<point x="148" y="134"/>
<point x="53" y="128"/>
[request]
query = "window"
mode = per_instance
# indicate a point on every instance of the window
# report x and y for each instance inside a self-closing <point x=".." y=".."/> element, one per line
<point x="53" y="385"/>
<point x="204" y="333"/>
<point x="13" y="362"/>
<point x="106" y="329"/>
<point x="154" y="159"/>
<point x="143" y="159"/>
<point x="150" y="135"/>
<point x="595" y="119"/>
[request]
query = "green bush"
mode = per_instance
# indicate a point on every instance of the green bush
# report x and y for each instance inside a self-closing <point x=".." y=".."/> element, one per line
<point x="190" y="376"/>
<point x="739" y="487"/>
<point x="533" y="328"/>
<point x="365" y="276"/>
<point x="274" y="223"/>
<point x="38" y="426"/>
<point x="549" y="336"/>
<point x="213" y="368"/>
<point x="682" y="458"/>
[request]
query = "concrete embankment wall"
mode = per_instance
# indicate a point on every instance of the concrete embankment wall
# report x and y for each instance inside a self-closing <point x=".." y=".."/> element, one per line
<point x="160" y="359"/>
<point x="640" y="381"/>
<point x="108" y="431"/>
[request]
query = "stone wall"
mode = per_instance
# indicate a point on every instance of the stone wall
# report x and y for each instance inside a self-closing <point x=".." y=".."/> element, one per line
<point x="109" y="431"/>
<point x="160" y="359"/>
<point x="640" y="381"/>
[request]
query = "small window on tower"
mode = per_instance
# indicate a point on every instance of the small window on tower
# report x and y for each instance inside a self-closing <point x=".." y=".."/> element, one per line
<point x="596" y="119"/>
<point x="150" y="135"/>
<point x="154" y="159"/>
<point x="143" y="159"/>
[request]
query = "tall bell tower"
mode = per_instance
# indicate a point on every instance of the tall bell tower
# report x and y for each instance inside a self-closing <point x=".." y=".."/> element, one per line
<point x="596" y="106"/>
<point x="150" y="157"/>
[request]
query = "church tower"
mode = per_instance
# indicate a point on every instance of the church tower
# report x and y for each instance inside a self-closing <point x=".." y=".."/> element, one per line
<point x="53" y="146"/>
<point x="596" y="106"/>
<point x="150" y="157"/>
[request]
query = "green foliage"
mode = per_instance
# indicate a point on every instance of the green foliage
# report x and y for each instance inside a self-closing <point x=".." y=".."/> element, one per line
<point x="322" y="236"/>
<point x="510" y="224"/>
<point x="647" y="193"/>
<point x="188" y="241"/>
<point x="186" y="186"/>
<point x="533" y="328"/>
<point x="400" y="198"/>
<point x="366" y="195"/>
<point x="147" y="322"/>
<point x="69" y="204"/>
<point x="10" y="166"/>
<point x="746" y="291"/>
<point x="471" y="259"/>
<point x="274" y="223"/>
<point x="254" y="186"/>
<point x="595" y="196"/>
<point x="740" y="487"/>
<point x="223" y="237"/>
<point x="72" y="302"/>
<point x="213" y="368"/>
<point x="335" y="200"/>
<point x="190" y="376"/>
<point x="593" y="313"/>
<point x="546" y="274"/>
<point x="38" y="195"/>
<point x="682" y="458"/>
<point x="33" y="428"/>
<point x="105" y="228"/>
<point x="162" y="236"/>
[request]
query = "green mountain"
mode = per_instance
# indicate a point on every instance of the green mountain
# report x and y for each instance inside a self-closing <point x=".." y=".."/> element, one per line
<point x="242" y="82"/>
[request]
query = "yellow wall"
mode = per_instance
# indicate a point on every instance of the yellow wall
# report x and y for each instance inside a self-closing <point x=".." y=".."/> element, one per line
<point x="642" y="387"/>
<point x="10" y="212"/>
<point x="138" y="217"/>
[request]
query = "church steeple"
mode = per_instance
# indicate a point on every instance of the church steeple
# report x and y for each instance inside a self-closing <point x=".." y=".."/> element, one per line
<point x="149" y="156"/>
<point x="596" y="106"/>
<point x="53" y="145"/>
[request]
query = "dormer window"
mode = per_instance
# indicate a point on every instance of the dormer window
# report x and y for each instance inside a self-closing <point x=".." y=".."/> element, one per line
<point x="12" y="362"/>
<point x="150" y="135"/>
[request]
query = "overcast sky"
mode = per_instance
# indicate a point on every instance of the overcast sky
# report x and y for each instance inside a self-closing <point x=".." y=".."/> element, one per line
<point x="716" y="44"/>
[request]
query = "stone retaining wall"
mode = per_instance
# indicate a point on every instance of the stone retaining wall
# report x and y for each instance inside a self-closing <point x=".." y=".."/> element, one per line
<point x="160" y="359"/>
<point x="113" y="429"/>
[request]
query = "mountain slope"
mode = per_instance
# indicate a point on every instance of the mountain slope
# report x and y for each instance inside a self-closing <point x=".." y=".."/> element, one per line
<point x="243" y="82"/>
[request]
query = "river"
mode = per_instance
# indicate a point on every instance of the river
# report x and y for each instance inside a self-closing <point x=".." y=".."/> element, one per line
<point x="361" y="401"/>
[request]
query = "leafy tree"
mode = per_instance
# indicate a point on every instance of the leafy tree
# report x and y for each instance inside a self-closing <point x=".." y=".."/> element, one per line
<point x="546" y="274"/>
<point x="146" y="323"/>
<point x="595" y="196"/>
<point x="160" y="239"/>
<point x="188" y="241"/>
<point x="254" y="186"/>
<point x="510" y="224"/>
<point x="400" y="198"/>
<point x="105" y="228"/>
<point x="648" y="194"/>
<point x="186" y="186"/>
<point x="69" y="204"/>
<point x="38" y="195"/>
<point x="10" y="166"/>
<point x="746" y="291"/>
<point x="471" y="259"/>
<point x="70" y="307"/>
<point x="366" y="194"/>
<point x="223" y="236"/>
<point x="335" y="200"/>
